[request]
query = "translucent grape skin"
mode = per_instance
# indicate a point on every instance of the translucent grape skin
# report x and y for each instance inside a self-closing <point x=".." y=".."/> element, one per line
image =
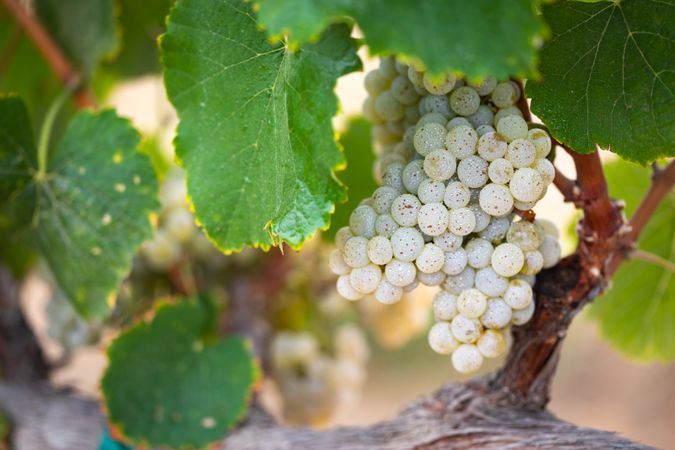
<point x="430" y="259"/>
<point x="433" y="219"/>
<point x="445" y="305"/>
<point x="457" y="195"/>
<point x="512" y="128"/>
<point x="462" y="221"/>
<point x="431" y="191"/>
<point x="365" y="279"/>
<point x="490" y="282"/>
<point x="412" y="175"/>
<point x="507" y="259"/>
<point x="346" y="290"/>
<point x="473" y="171"/>
<point x="455" y="261"/>
<point x="404" y="210"/>
<point x="407" y="244"/>
<point x="466" y="329"/>
<point x="496" y="199"/>
<point x="471" y="303"/>
<point x="431" y="279"/>
<point x="440" y="165"/>
<point x="355" y="252"/>
<point x="362" y="221"/>
<point x="491" y="344"/>
<point x="379" y="250"/>
<point x="461" y="141"/>
<point x="440" y="86"/>
<point x="526" y="185"/>
<point x="464" y="101"/>
<point x="441" y="339"/>
<point x="429" y="137"/>
<point x="466" y="358"/>
<point x="400" y="273"/>
<point x="504" y="95"/>
<point x="497" y="314"/>
<point x="337" y="264"/>
<point x="387" y="293"/>
<point x="518" y="295"/>
<point x="383" y="197"/>
<point x="479" y="253"/>
<point x="387" y="107"/>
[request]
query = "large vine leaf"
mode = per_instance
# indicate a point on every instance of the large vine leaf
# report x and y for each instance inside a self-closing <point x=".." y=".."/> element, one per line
<point x="255" y="132"/>
<point x="90" y="210"/>
<point x="93" y="208"/>
<point x="608" y="77"/>
<point x="637" y="314"/>
<point x="85" y="30"/>
<point x="478" y="37"/>
<point x="170" y="383"/>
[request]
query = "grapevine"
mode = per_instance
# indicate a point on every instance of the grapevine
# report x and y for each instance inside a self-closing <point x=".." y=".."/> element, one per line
<point x="275" y="267"/>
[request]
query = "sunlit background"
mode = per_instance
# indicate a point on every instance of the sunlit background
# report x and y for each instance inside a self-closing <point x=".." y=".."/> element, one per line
<point x="594" y="386"/>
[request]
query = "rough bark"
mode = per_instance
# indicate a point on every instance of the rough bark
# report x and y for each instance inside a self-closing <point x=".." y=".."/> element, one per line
<point x="21" y="357"/>
<point x="456" y="417"/>
<point x="45" y="419"/>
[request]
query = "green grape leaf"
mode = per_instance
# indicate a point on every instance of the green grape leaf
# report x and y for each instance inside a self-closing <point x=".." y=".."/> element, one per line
<point x="93" y="208"/>
<point x="638" y="312"/>
<point x="255" y="134"/>
<point x="358" y="176"/>
<point x="608" y="77"/>
<point x="170" y="383"/>
<point x="90" y="211"/>
<point x="477" y="38"/>
<point x="139" y="24"/>
<point x="85" y="30"/>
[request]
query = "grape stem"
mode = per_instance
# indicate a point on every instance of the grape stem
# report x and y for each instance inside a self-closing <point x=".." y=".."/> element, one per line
<point x="653" y="259"/>
<point x="605" y="241"/>
<point x="567" y="187"/>
<point x="663" y="180"/>
<point x="10" y="49"/>
<point x="522" y="102"/>
<point x="50" y="51"/>
<point x="46" y="131"/>
<point x="528" y="215"/>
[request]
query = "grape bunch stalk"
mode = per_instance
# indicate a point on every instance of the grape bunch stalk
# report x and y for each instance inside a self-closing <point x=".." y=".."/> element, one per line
<point x="456" y="162"/>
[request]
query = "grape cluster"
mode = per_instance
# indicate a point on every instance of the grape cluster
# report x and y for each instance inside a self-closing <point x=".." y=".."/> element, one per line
<point x="176" y="234"/>
<point x="455" y="161"/>
<point x="314" y="384"/>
